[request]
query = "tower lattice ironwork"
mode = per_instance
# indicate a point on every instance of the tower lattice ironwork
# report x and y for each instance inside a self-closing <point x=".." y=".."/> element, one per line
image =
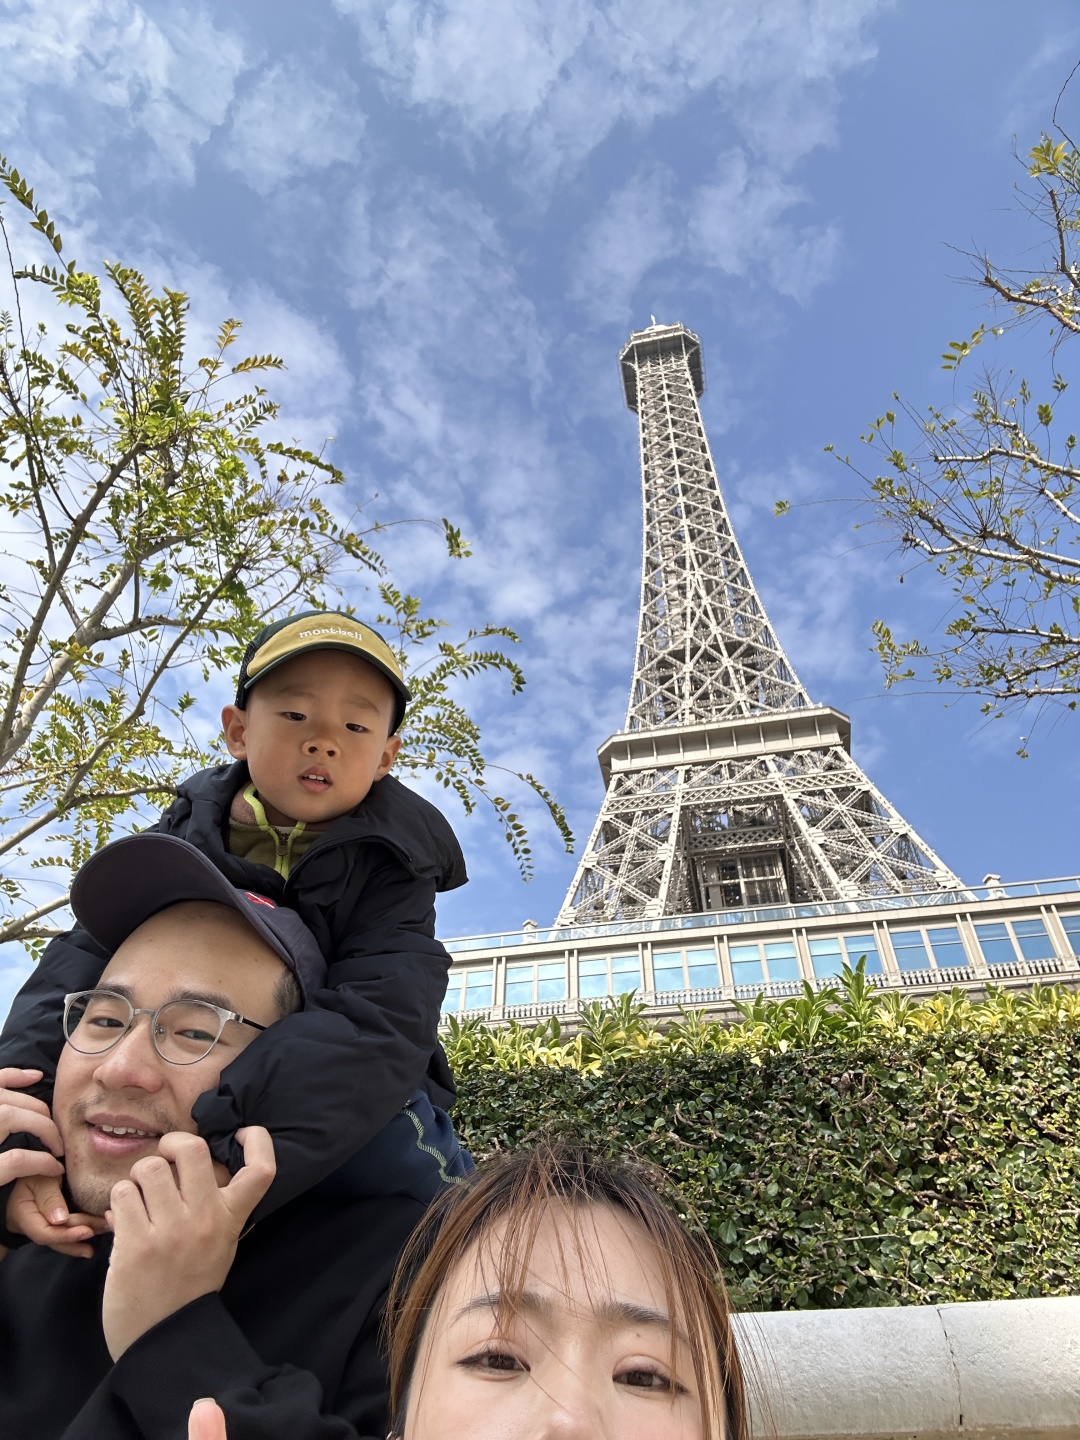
<point x="728" y="787"/>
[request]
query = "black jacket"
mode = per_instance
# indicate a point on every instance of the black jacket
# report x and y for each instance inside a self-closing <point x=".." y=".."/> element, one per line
<point x="328" y="1078"/>
<point x="289" y="1347"/>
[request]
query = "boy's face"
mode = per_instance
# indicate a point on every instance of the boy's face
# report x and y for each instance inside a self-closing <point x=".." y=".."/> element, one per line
<point x="314" y="735"/>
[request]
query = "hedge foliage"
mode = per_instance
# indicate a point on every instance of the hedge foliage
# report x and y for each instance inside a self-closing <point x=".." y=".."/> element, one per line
<point x="858" y="1166"/>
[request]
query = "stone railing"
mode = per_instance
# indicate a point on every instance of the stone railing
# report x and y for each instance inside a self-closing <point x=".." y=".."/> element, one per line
<point x="994" y="1370"/>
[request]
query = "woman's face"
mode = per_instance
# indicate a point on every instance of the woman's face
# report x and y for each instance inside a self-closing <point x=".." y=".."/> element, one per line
<point x="586" y="1356"/>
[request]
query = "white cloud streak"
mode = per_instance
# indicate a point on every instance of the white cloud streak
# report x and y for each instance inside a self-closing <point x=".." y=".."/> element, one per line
<point x="122" y="72"/>
<point x="292" y="121"/>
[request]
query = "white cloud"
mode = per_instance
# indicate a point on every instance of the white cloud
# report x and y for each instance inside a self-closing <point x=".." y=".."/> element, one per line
<point x="556" y="78"/>
<point x="633" y="232"/>
<point x="735" y="224"/>
<point x="120" y="71"/>
<point x="292" y="121"/>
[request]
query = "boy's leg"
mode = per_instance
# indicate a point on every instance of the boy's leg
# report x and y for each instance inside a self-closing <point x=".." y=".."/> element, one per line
<point x="417" y="1154"/>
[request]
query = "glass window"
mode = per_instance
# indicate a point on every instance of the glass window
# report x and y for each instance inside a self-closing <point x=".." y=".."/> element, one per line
<point x="1071" y="926"/>
<point x="781" y="961"/>
<point x="551" y="981"/>
<point x="452" y="998"/>
<point x="996" y="944"/>
<point x="827" y="957"/>
<point x="947" y="946"/>
<point x="668" y="970"/>
<point x="478" y="989"/>
<point x="519" y="984"/>
<point x="1033" y="940"/>
<point x="746" y="967"/>
<point x="701" y="969"/>
<point x="910" y="949"/>
<point x="592" y="978"/>
<point x="625" y="974"/>
<point x="600" y="977"/>
<point x="859" y="945"/>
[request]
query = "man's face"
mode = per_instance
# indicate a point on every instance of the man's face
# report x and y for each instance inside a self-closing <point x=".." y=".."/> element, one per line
<point x="193" y="951"/>
<point x="314" y="735"/>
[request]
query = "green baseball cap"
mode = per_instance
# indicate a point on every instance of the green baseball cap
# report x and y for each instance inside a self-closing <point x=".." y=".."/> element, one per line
<point x="320" y="630"/>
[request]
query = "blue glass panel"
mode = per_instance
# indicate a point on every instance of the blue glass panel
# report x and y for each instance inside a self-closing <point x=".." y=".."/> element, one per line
<point x="624" y="980"/>
<point x="1071" y="925"/>
<point x="1033" y="940"/>
<point x="859" y="945"/>
<point x="786" y="969"/>
<point x="701" y="957"/>
<point x="740" y="953"/>
<point x="593" y="967"/>
<point x="624" y="964"/>
<point x="551" y="981"/>
<point x="668" y="970"/>
<point x="995" y="944"/>
<point x="452" y="998"/>
<point x="590" y="987"/>
<point x="947" y="946"/>
<point x="827" y="957"/>
<point x="703" y="976"/>
<point x="478" y="997"/>
<point x="910" y="950"/>
<point x="783" y="950"/>
<point x="519" y="992"/>
<point x="746" y="972"/>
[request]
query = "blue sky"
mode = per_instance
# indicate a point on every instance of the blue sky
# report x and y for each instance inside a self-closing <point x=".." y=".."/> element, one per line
<point x="448" y="217"/>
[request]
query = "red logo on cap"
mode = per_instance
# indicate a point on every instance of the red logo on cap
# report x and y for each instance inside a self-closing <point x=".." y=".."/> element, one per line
<point x="260" y="900"/>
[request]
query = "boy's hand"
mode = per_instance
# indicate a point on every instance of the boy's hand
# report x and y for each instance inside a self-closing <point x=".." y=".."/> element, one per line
<point x="38" y="1210"/>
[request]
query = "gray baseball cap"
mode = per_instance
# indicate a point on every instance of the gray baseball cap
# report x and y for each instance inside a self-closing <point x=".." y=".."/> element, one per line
<point x="127" y="882"/>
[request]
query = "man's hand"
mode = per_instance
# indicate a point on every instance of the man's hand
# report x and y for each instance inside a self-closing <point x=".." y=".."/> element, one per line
<point x="36" y="1207"/>
<point x="176" y="1230"/>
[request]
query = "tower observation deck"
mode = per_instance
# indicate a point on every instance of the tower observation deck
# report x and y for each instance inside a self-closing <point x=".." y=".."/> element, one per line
<point x="727" y="785"/>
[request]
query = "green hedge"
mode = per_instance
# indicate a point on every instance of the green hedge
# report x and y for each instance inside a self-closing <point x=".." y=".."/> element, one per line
<point x="943" y="1167"/>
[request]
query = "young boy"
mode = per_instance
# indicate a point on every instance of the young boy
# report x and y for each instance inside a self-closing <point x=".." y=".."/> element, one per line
<point x="309" y="815"/>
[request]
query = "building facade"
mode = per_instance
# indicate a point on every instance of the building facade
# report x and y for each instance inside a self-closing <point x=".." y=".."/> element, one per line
<point x="740" y="849"/>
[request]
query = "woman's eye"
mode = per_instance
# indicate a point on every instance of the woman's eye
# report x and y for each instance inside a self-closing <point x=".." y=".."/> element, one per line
<point x="493" y="1360"/>
<point x="646" y="1380"/>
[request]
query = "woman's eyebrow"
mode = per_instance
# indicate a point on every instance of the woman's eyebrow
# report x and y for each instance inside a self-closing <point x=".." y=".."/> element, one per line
<point x="608" y="1312"/>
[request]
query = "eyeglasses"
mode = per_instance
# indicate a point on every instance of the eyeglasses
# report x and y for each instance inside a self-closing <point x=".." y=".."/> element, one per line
<point x="183" y="1031"/>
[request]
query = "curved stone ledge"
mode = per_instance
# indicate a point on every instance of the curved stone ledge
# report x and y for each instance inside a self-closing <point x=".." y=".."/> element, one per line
<point x="994" y="1370"/>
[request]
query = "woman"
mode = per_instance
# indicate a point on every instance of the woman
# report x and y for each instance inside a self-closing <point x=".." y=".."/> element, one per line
<point x="555" y="1295"/>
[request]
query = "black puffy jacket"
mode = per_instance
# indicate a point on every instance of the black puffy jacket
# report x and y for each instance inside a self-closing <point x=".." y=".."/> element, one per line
<point x="324" y="1080"/>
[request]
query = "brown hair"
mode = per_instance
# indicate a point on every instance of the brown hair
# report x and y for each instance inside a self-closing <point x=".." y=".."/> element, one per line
<point x="518" y="1191"/>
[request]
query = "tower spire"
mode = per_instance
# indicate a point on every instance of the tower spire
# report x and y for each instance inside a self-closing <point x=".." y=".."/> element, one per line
<point x="727" y="787"/>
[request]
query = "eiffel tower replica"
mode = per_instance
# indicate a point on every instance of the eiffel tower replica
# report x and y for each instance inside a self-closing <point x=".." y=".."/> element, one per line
<point x="728" y="787"/>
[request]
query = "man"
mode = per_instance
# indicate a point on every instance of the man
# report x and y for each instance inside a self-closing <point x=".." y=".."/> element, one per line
<point x="280" y="1322"/>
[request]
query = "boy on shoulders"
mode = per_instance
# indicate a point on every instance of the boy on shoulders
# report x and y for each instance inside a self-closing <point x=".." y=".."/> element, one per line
<point x="308" y="815"/>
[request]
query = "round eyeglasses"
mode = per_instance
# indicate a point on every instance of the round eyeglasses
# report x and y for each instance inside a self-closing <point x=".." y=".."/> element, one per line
<point x="183" y="1031"/>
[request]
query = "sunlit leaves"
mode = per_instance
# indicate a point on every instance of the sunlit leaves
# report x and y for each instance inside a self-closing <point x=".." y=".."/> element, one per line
<point x="153" y="521"/>
<point x="987" y="491"/>
<point x="869" y="1151"/>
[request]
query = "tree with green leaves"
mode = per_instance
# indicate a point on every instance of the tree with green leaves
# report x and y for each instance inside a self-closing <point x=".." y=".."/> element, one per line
<point x="987" y="489"/>
<point x="155" y="520"/>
